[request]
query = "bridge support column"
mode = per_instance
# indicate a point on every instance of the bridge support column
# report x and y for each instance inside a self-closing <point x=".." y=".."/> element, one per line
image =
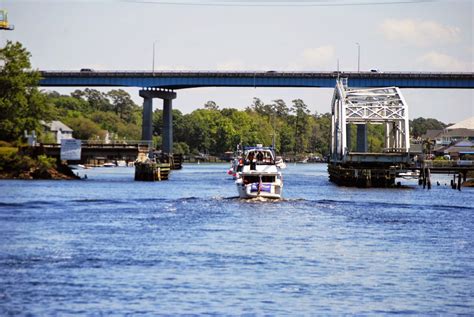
<point x="362" y="138"/>
<point x="167" y="137"/>
<point x="147" y="119"/>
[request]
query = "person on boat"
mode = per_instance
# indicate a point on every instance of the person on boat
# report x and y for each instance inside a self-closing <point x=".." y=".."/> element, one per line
<point x="250" y="157"/>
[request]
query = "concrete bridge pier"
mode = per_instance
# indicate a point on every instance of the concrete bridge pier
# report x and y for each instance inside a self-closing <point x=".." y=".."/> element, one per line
<point x="147" y="118"/>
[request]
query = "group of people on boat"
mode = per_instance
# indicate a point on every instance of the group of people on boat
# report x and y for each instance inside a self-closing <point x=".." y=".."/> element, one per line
<point x="259" y="158"/>
<point x="257" y="174"/>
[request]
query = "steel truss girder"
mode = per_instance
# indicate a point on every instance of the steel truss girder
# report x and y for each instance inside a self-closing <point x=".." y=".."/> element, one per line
<point x="374" y="105"/>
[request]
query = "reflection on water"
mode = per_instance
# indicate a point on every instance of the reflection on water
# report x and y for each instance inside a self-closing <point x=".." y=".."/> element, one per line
<point x="109" y="245"/>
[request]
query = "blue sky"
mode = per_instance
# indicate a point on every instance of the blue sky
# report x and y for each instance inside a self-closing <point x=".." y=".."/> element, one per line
<point x="274" y="35"/>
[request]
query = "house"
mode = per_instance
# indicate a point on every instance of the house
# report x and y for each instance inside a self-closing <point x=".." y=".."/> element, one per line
<point x="463" y="130"/>
<point x="58" y="130"/>
<point x="447" y="137"/>
<point x="458" y="150"/>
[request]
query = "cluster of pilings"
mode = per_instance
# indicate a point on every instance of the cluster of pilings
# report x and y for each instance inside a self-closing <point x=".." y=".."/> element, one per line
<point x="158" y="168"/>
<point x="150" y="170"/>
<point x="425" y="179"/>
<point x="429" y="167"/>
<point x="362" y="176"/>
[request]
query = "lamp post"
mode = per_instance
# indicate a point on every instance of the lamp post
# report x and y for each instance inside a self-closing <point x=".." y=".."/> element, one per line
<point x="153" y="65"/>
<point x="358" y="57"/>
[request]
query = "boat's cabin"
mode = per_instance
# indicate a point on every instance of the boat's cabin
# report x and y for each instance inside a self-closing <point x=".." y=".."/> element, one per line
<point x="250" y="179"/>
<point x="259" y="156"/>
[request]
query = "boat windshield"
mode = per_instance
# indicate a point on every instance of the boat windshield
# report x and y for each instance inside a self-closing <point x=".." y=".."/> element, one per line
<point x="259" y="156"/>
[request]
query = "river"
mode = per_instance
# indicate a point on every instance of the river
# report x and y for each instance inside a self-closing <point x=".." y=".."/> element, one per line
<point x="109" y="245"/>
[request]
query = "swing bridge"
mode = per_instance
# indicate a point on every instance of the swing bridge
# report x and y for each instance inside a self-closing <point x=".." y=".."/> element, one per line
<point x="352" y="164"/>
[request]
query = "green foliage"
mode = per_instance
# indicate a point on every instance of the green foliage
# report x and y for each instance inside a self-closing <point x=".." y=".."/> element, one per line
<point x="91" y="114"/>
<point x="181" y="148"/>
<point x="214" y="131"/>
<point x="11" y="160"/>
<point x="8" y="150"/>
<point x="375" y="137"/>
<point x="44" y="163"/>
<point x="122" y="104"/>
<point x="47" y="137"/>
<point x="22" y="105"/>
<point x="84" y="128"/>
<point x="419" y="126"/>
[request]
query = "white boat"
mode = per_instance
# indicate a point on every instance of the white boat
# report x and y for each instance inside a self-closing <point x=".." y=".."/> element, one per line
<point x="280" y="163"/>
<point x="236" y="166"/>
<point x="237" y="163"/>
<point x="260" y="176"/>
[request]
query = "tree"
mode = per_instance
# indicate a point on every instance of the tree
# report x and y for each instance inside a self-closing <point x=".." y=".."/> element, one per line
<point x="301" y="124"/>
<point x="97" y="100"/>
<point x="280" y="108"/>
<point x="122" y="103"/>
<point x="85" y="129"/>
<point x="419" y="126"/>
<point x="22" y="105"/>
<point x="211" y="105"/>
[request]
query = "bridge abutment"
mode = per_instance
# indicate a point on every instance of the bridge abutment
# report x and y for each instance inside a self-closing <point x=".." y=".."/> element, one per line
<point x="147" y="119"/>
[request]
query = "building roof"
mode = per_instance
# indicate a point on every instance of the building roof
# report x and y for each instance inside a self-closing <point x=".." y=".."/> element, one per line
<point x="56" y="125"/>
<point x="462" y="147"/>
<point x="465" y="124"/>
<point x="432" y="134"/>
<point x="464" y="143"/>
<point x="463" y="133"/>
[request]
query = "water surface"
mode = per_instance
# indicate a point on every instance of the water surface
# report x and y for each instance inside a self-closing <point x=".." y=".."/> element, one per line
<point x="109" y="245"/>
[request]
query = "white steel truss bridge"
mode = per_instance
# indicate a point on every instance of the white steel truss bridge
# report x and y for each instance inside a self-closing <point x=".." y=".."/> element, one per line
<point x="362" y="106"/>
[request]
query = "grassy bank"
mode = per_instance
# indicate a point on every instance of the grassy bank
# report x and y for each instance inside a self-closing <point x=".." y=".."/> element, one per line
<point x="19" y="164"/>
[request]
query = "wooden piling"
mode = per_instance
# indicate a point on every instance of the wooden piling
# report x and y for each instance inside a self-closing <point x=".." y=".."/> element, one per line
<point x="151" y="171"/>
<point x="428" y="176"/>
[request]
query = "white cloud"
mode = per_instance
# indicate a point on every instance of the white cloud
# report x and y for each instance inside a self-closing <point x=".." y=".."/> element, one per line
<point x="231" y="65"/>
<point x="419" y="32"/>
<point x="443" y="62"/>
<point x="320" y="58"/>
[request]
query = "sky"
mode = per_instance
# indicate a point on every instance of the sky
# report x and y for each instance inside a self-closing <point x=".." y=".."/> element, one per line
<point x="306" y="35"/>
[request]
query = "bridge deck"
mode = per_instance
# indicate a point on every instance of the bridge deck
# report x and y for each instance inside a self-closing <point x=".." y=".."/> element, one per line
<point x="191" y="79"/>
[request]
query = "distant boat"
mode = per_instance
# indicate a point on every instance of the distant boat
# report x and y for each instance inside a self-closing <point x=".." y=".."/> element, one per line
<point x="78" y="166"/>
<point x="280" y="163"/>
<point x="235" y="167"/>
<point x="236" y="164"/>
<point x="109" y="165"/>
<point x="260" y="176"/>
<point x="121" y="163"/>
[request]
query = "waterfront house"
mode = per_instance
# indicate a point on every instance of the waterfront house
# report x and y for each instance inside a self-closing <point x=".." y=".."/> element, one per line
<point x="459" y="150"/>
<point x="57" y="129"/>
